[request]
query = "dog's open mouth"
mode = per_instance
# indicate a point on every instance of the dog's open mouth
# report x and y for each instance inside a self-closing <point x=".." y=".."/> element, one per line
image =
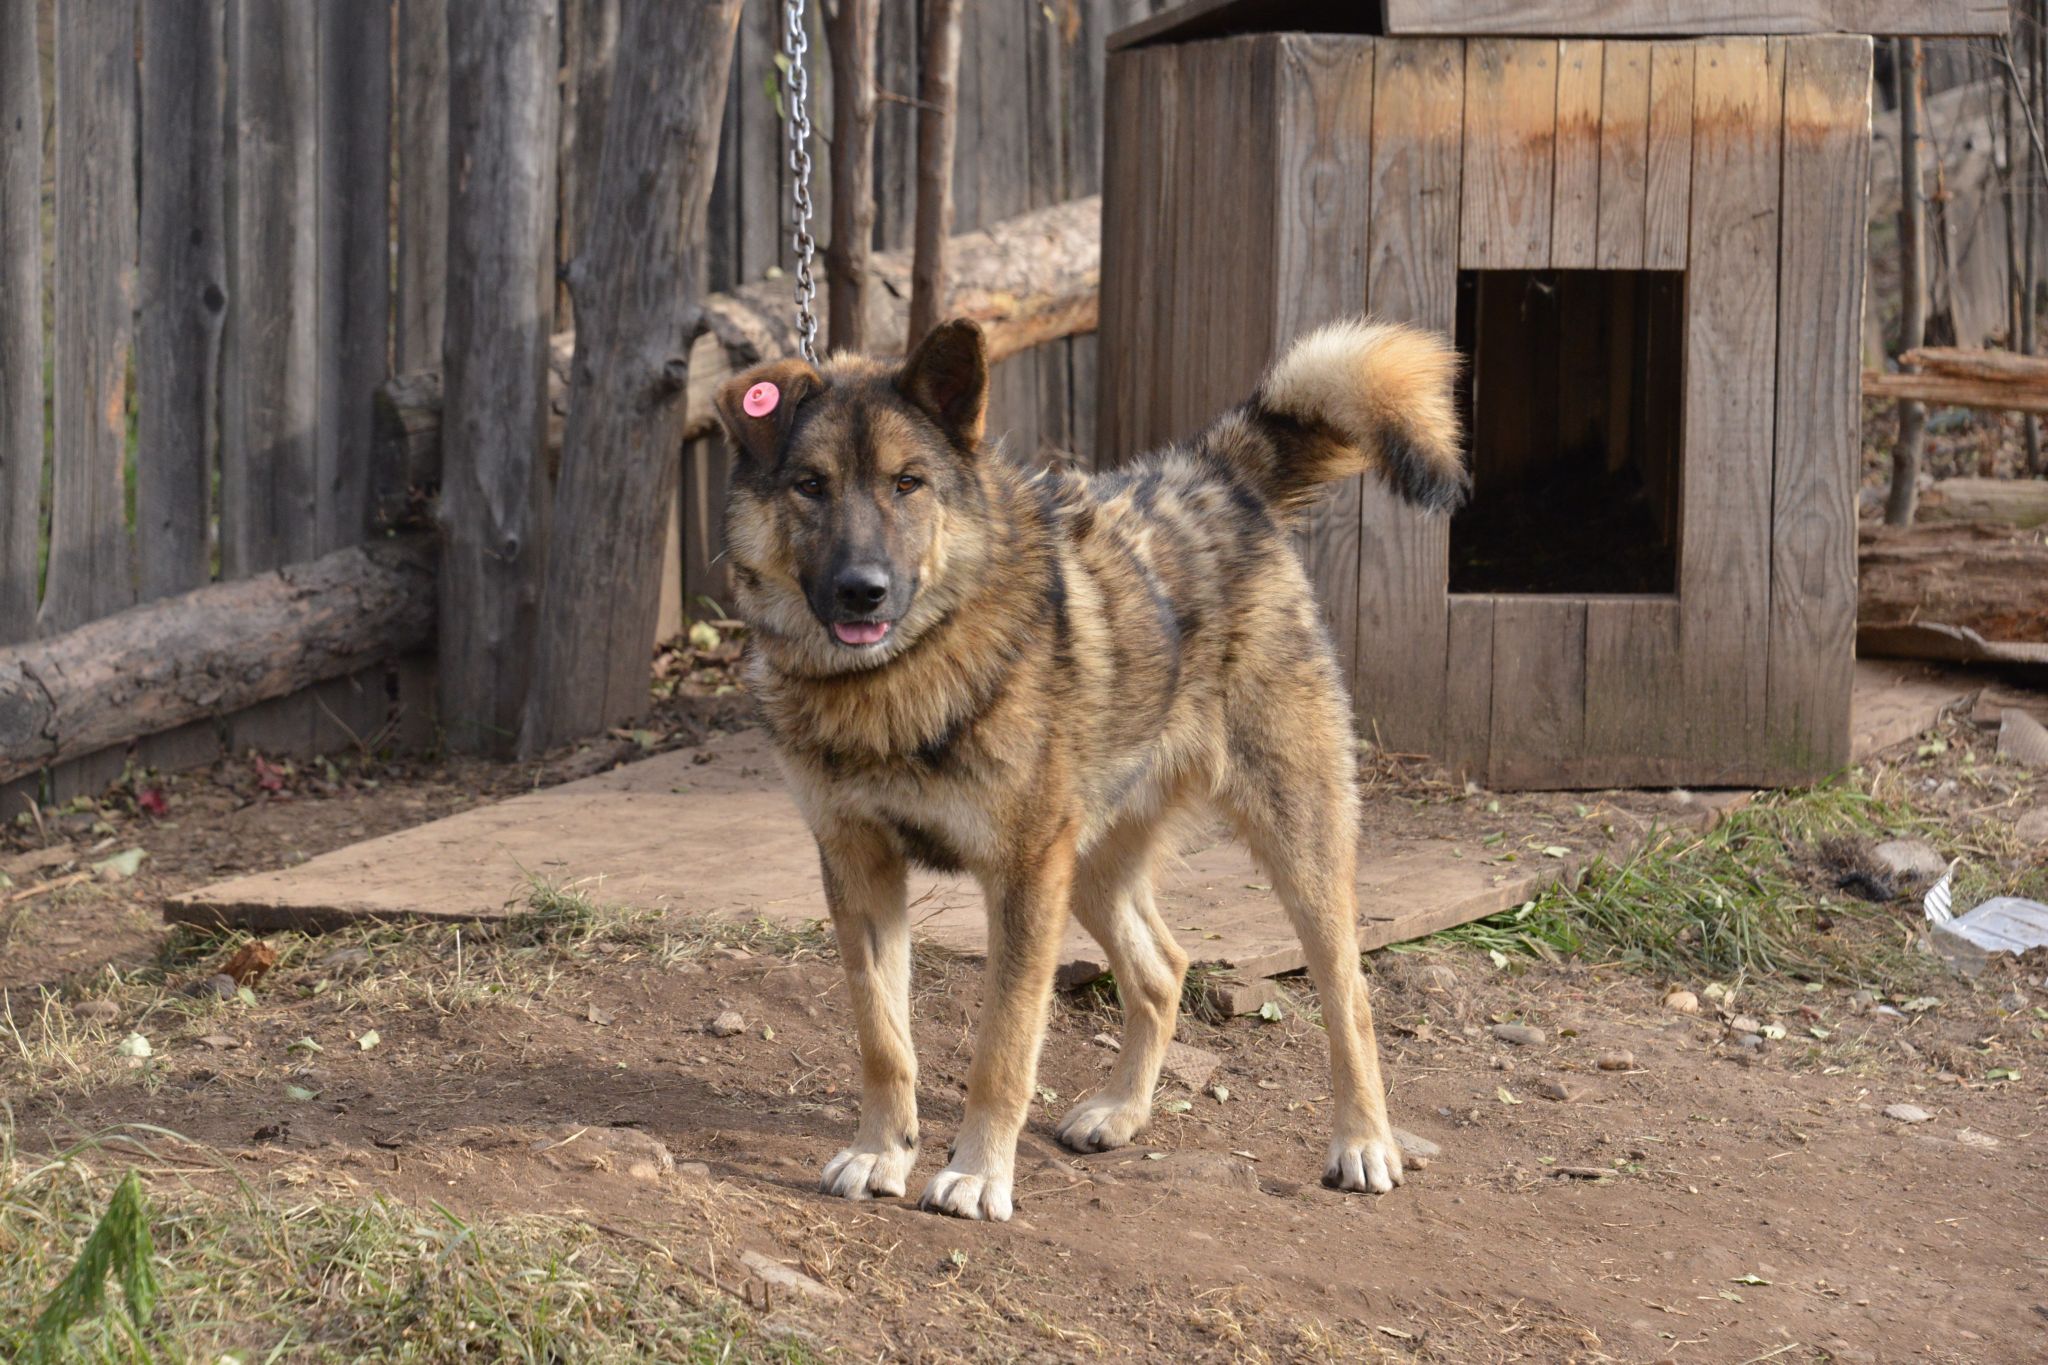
<point x="860" y="632"/>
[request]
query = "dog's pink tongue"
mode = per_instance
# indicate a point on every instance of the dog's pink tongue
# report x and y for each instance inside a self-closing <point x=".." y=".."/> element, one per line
<point x="860" y="632"/>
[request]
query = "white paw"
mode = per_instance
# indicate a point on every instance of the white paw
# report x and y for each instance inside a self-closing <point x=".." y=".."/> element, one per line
<point x="1101" y="1124"/>
<point x="1373" y="1164"/>
<point x="969" y="1194"/>
<point x="863" y="1171"/>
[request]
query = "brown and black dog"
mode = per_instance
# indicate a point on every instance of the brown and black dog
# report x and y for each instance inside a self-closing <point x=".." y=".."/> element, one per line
<point x="1041" y="678"/>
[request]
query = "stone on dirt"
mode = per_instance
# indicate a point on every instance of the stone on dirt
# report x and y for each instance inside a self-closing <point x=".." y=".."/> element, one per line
<point x="584" y="1147"/>
<point x="1910" y="859"/>
<point x="779" y="1276"/>
<point x="726" y="1025"/>
<point x="1552" y="1088"/>
<point x="1682" y="1002"/>
<point x="1192" y="1170"/>
<point x="96" y="1011"/>
<point x="1617" y="1061"/>
<point x="1907" y="1113"/>
<point x="2032" y="828"/>
<point x="1521" y="1035"/>
<point x="1229" y="998"/>
<point x="1748" y="1042"/>
<point x="1419" y="1151"/>
<point x="219" y="986"/>
<point x="1191" y="1066"/>
<point x="1437" y="977"/>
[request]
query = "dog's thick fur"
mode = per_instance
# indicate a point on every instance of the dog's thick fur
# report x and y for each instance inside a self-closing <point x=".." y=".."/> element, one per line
<point x="1070" y="667"/>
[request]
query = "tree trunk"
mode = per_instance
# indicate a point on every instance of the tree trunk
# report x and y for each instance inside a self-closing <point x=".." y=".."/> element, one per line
<point x="590" y="42"/>
<point x="21" y="319"/>
<point x="212" y="651"/>
<point x="1034" y="277"/>
<point x="2030" y="187"/>
<point x="1985" y="578"/>
<point x="494" y="487"/>
<point x="1898" y="507"/>
<point x="850" y="31"/>
<point x="421" y="132"/>
<point x="937" y="118"/>
<point x="635" y="291"/>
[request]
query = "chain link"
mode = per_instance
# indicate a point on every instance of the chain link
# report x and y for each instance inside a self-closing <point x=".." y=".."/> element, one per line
<point x="796" y="45"/>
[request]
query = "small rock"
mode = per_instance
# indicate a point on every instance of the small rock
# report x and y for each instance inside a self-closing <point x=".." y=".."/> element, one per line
<point x="219" y="1042"/>
<point x="1742" y="1023"/>
<point x="598" y="1015"/>
<point x="584" y="1147"/>
<point x="1199" y="1170"/>
<point x="343" y="960"/>
<point x="1191" y="1066"/>
<point x="134" y="1045"/>
<point x="1221" y="1092"/>
<point x="1417" y="1151"/>
<point x="96" y="1011"/>
<point x="1500" y="1063"/>
<point x="776" y="1274"/>
<point x="1682" y="1002"/>
<point x="1553" y="1089"/>
<point x="1860" y="1001"/>
<point x="726" y="1025"/>
<point x="1437" y="977"/>
<point x="219" y="986"/>
<point x="1749" y="1042"/>
<point x="1970" y="1137"/>
<point x="1521" y="1035"/>
<point x="1107" y="1040"/>
<point x="1583" y="1173"/>
<point x="732" y="954"/>
<point x="2032" y="827"/>
<point x="1227" y="998"/>
<point x="2012" y="1001"/>
<point x="693" y="1170"/>
<point x="1617" y="1061"/>
<point x="1910" y="859"/>
<point x="1907" y="1113"/>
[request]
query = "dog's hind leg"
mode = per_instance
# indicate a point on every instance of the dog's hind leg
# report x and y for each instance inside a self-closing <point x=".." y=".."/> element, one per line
<point x="1113" y="901"/>
<point x="1290" y="792"/>
<point x="865" y="881"/>
<point x="1027" y="918"/>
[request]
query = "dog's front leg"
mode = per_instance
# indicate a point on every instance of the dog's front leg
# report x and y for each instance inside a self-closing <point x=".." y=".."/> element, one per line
<point x="1027" y="908"/>
<point x="864" y="886"/>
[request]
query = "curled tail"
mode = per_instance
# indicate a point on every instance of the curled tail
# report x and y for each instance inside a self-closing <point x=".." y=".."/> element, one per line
<point x="1346" y="398"/>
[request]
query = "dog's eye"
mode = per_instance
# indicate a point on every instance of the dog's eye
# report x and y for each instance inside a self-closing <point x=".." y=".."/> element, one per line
<point x="811" y="486"/>
<point x="908" y="483"/>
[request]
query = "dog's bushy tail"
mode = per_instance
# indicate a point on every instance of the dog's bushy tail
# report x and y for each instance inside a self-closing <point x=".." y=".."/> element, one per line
<point x="1346" y="398"/>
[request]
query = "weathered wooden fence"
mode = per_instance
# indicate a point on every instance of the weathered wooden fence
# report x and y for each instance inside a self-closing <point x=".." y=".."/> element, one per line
<point x="224" y="223"/>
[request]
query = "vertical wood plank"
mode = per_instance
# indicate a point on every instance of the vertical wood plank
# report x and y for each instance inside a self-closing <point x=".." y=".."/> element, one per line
<point x="353" y="302"/>
<point x="91" y="572"/>
<point x="183" y="273"/>
<point x="1575" y="202"/>
<point x="494" y="488"/>
<point x="1636" y="732"/>
<point x="1667" y="166"/>
<point x="1624" y="154"/>
<point x="896" y="67"/>
<point x="1813" y="499"/>
<point x="1730" y="382"/>
<point x="1412" y="275"/>
<point x="1141" y="113"/>
<point x="1323" y="159"/>
<point x="590" y="39"/>
<point x="422" y="154"/>
<point x="1510" y="119"/>
<point x="21" y="319"/>
<point x="270" y="345"/>
<point x="1467" y="686"/>
<point x="1539" y="691"/>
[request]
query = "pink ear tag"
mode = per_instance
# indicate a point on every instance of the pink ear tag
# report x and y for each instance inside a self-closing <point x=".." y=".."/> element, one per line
<point x="761" y="399"/>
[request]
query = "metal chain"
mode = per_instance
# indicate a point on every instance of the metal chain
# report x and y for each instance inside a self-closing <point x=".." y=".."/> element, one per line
<point x="796" y="45"/>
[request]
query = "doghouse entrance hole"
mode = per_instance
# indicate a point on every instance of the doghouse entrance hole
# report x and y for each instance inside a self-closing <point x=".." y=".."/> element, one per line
<point x="1574" y="393"/>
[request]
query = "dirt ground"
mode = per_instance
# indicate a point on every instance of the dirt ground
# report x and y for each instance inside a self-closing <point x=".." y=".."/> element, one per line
<point x="1699" y="1201"/>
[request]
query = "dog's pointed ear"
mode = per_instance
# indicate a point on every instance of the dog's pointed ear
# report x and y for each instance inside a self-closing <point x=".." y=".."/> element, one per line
<point x="758" y="407"/>
<point x="947" y="377"/>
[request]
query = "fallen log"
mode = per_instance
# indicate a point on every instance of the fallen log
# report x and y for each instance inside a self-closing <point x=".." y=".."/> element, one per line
<point x="2012" y="502"/>
<point x="1027" y="280"/>
<point x="211" y="651"/>
<point x="1986" y="579"/>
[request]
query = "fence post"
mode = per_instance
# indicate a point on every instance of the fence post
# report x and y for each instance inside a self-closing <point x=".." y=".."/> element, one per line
<point x="494" y="485"/>
<point x="637" y="299"/>
<point x="421" y="131"/>
<point x="21" y="318"/>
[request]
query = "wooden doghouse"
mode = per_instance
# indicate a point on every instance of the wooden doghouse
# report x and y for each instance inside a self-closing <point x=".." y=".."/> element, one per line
<point x="1651" y="251"/>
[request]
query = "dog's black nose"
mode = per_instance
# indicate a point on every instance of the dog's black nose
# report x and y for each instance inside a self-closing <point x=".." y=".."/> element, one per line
<point x="861" y="587"/>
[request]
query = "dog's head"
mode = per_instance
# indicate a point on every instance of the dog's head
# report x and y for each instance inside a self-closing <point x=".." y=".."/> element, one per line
<point x="856" y="500"/>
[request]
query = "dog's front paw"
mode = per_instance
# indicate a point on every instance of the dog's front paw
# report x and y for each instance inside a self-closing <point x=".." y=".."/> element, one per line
<point x="863" y="1171"/>
<point x="1101" y="1124"/>
<point x="1366" y="1164"/>
<point x="969" y="1193"/>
